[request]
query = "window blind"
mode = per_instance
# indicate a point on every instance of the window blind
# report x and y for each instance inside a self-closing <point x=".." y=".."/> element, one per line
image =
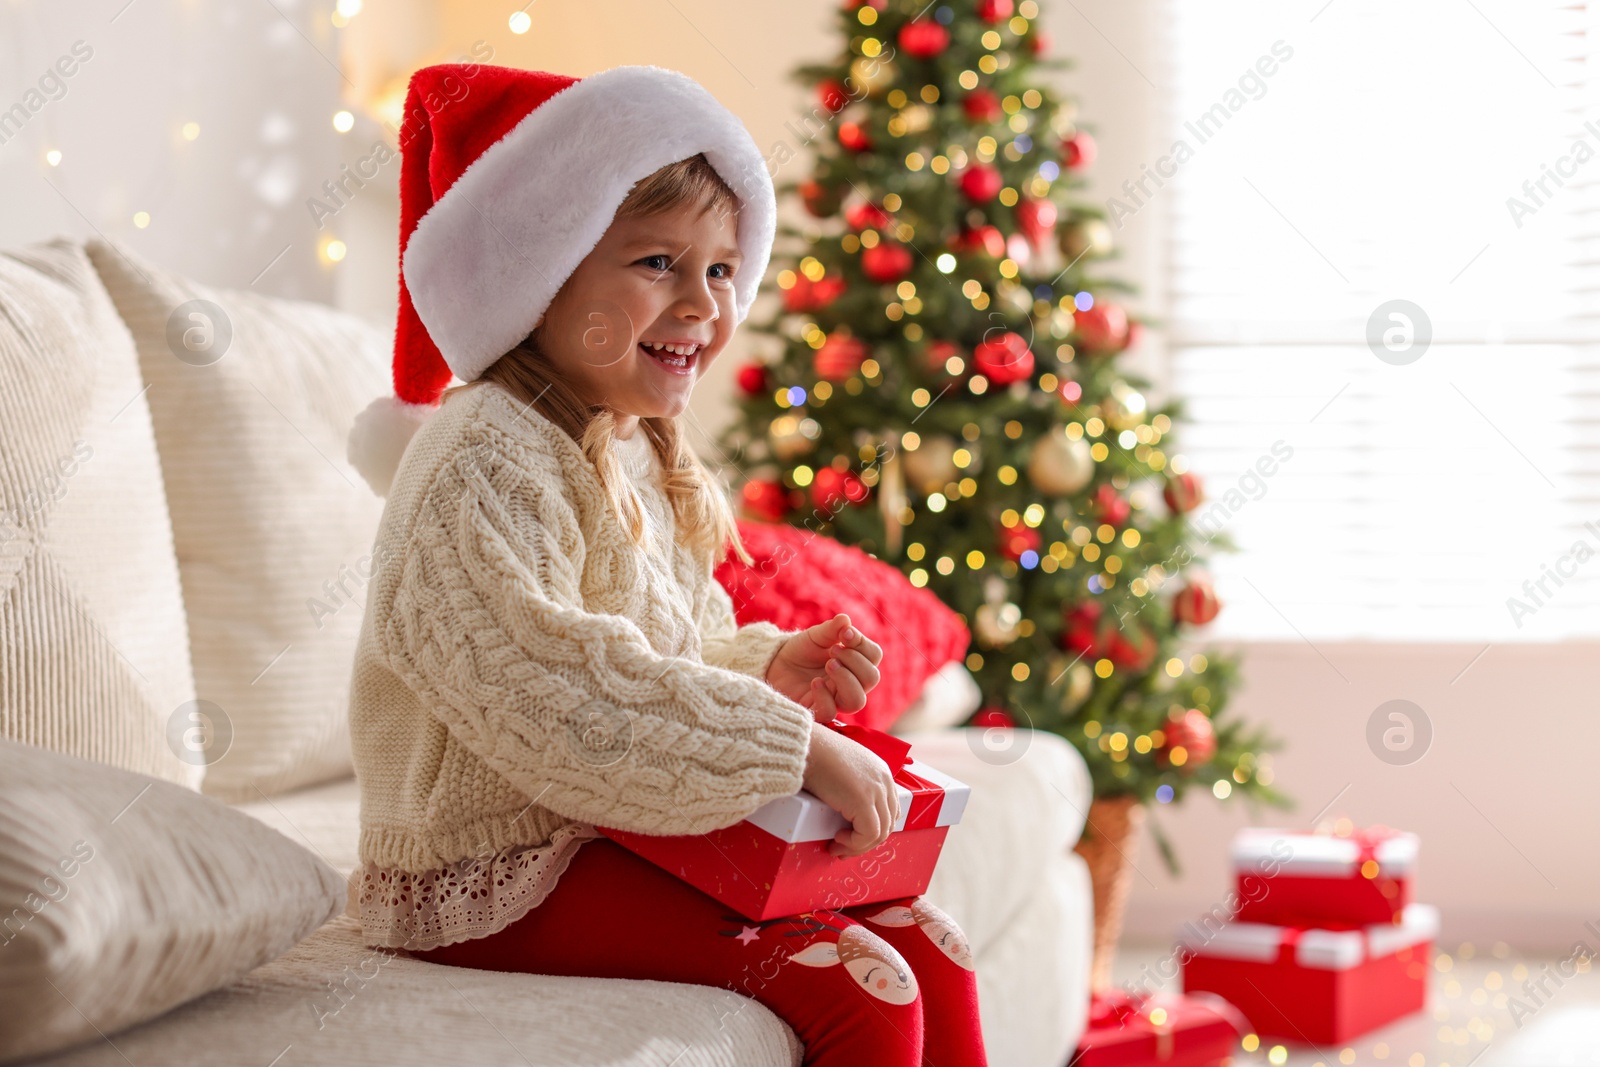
<point x="1331" y="159"/>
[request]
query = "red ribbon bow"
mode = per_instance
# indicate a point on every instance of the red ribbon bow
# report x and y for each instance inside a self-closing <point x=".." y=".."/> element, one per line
<point x="895" y="752"/>
<point x="926" y="796"/>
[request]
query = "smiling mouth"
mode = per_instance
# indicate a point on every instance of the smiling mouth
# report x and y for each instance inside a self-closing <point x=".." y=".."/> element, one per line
<point x="672" y="360"/>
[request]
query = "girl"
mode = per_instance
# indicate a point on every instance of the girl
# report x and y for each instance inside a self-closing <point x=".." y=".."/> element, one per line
<point x="545" y="649"/>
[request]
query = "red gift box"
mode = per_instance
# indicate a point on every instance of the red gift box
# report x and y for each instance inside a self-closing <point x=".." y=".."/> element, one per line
<point x="1178" y="1031"/>
<point x="776" y="861"/>
<point x="1315" y="984"/>
<point x="1323" y="879"/>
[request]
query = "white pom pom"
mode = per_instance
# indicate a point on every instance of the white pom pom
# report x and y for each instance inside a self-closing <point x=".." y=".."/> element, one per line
<point x="379" y="436"/>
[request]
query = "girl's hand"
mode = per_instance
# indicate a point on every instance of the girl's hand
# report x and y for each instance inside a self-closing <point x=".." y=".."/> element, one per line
<point x="855" y="782"/>
<point x="828" y="668"/>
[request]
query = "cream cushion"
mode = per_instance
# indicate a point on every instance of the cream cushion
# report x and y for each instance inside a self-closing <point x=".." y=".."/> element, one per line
<point x="252" y="398"/>
<point x="124" y="896"/>
<point x="94" y="650"/>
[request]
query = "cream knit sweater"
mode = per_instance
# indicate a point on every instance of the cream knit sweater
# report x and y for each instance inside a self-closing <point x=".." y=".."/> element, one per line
<point x="522" y="665"/>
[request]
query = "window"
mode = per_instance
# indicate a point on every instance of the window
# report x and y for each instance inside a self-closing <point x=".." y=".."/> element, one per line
<point x="1327" y="162"/>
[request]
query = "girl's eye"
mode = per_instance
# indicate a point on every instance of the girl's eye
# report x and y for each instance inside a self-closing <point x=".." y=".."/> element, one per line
<point x="666" y="263"/>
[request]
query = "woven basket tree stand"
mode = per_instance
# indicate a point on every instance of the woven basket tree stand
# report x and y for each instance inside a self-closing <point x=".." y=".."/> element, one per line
<point x="1109" y="840"/>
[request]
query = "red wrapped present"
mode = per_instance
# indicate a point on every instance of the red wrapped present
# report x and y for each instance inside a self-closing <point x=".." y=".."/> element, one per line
<point x="1315" y="984"/>
<point x="1321" y="879"/>
<point x="1178" y="1031"/>
<point x="776" y="861"/>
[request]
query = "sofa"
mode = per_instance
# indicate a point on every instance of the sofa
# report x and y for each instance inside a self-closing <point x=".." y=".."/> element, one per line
<point x="183" y="555"/>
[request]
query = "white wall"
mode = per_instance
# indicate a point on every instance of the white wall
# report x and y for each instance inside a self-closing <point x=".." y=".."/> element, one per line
<point x="226" y="208"/>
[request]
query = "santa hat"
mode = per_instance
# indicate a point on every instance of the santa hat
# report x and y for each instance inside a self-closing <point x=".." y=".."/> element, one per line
<point x="508" y="179"/>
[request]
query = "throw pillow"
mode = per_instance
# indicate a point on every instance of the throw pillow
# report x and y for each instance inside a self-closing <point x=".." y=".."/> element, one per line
<point x="253" y="397"/>
<point x="122" y="896"/>
<point x="94" y="648"/>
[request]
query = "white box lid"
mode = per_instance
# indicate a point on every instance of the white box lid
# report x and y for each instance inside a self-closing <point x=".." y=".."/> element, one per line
<point x="802" y="817"/>
<point x="1327" y="950"/>
<point x="1319" y="855"/>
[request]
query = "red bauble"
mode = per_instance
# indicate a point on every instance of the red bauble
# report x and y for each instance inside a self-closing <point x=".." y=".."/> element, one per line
<point x="1193" y="732"/>
<point x="867" y="216"/>
<point x="1037" y="220"/>
<point x="819" y="200"/>
<point x="876" y="5"/>
<point x="938" y="353"/>
<point x="833" y="95"/>
<point x="981" y="183"/>
<point x="1089" y="634"/>
<point x="992" y="11"/>
<point x="1081" y="633"/>
<point x="988" y="718"/>
<point x="1040" y="42"/>
<point x="886" y="261"/>
<point x="1003" y="359"/>
<point x="1103" y="328"/>
<point x="1079" y="150"/>
<point x="840" y="356"/>
<point x="766" y="500"/>
<point x="1196" y="603"/>
<point x="923" y="38"/>
<point x="1110" y="506"/>
<point x="986" y="239"/>
<point x="1183" y="492"/>
<point x="982" y="105"/>
<point x="832" y="489"/>
<point x="1015" y="540"/>
<point x="852" y="138"/>
<point x="1136" y="650"/>
<point x="752" y="379"/>
<point x="806" y="295"/>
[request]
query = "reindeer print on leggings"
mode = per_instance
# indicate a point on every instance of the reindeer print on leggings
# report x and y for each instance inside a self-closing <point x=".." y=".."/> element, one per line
<point x="870" y="961"/>
<point x="940" y="928"/>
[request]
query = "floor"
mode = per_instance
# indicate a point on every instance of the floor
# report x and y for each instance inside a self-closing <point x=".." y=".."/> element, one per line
<point x="1487" y="1007"/>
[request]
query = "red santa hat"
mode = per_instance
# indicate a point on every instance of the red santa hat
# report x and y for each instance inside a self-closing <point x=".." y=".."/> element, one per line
<point x="508" y="179"/>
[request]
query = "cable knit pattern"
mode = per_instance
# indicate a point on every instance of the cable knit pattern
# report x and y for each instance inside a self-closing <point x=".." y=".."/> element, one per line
<point x="523" y="666"/>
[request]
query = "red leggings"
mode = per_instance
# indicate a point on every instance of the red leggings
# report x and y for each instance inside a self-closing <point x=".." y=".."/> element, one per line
<point x="888" y="984"/>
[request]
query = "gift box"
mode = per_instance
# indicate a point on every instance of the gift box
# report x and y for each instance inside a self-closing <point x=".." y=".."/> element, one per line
<point x="1315" y="984"/>
<point x="1124" y="1030"/>
<point x="1322" y="879"/>
<point x="776" y="861"/>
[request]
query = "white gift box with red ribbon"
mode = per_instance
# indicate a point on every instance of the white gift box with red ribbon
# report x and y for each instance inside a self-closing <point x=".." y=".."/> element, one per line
<point x="1311" y="878"/>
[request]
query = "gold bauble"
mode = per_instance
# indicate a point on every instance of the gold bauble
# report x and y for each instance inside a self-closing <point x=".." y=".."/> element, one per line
<point x="873" y="73"/>
<point x="1076" y="686"/>
<point x="917" y="117"/>
<point x="932" y="464"/>
<point x="788" y="438"/>
<point x="1059" y="465"/>
<point x="997" y="625"/>
<point x="1124" y="408"/>
<point x="1086" y="238"/>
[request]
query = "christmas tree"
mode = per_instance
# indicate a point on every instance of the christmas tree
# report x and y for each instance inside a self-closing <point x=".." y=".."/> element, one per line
<point x="951" y="395"/>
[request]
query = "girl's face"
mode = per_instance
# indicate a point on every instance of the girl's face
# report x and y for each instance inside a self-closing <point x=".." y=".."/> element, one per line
<point x="664" y="278"/>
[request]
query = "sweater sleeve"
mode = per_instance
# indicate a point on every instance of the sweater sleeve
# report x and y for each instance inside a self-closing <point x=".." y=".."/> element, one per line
<point x="574" y="707"/>
<point x="748" y="649"/>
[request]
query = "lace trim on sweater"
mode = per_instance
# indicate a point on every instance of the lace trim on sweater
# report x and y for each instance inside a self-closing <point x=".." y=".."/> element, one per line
<point x="474" y="897"/>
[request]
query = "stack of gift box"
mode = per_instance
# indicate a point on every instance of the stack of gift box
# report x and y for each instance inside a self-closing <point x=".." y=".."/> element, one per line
<point x="1324" y="942"/>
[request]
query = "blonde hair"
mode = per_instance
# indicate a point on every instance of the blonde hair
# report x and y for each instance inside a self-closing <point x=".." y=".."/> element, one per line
<point x="699" y="502"/>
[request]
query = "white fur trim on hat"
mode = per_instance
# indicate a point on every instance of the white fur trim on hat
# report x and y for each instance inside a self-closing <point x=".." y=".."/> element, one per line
<point x="379" y="436"/>
<point x="485" y="261"/>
